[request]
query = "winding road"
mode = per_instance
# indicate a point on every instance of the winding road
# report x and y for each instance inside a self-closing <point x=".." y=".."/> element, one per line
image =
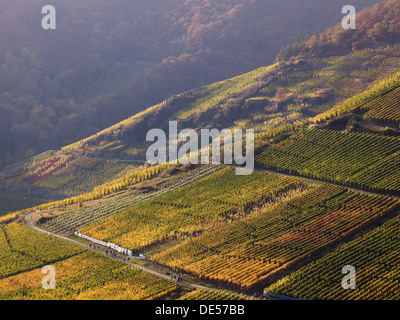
<point x="28" y="222"/>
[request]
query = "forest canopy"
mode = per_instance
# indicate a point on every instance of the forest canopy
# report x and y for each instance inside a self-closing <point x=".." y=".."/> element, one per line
<point x="376" y="26"/>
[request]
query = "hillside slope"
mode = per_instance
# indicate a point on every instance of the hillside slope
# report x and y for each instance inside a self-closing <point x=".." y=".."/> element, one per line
<point x="268" y="100"/>
<point x="324" y="193"/>
<point x="107" y="61"/>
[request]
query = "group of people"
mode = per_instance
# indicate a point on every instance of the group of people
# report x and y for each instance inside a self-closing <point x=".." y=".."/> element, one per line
<point x="111" y="252"/>
<point x="94" y="246"/>
<point x="176" y="277"/>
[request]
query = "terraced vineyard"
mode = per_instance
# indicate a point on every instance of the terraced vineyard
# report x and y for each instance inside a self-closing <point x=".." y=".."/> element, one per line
<point x="380" y="103"/>
<point x="86" y="276"/>
<point x="376" y="257"/>
<point x="66" y="173"/>
<point x="68" y="223"/>
<point x="246" y="253"/>
<point x="202" y="294"/>
<point x="132" y="177"/>
<point x="22" y="249"/>
<point x="384" y="108"/>
<point x="380" y="98"/>
<point x="71" y="175"/>
<point x="206" y="204"/>
<point x="346" y="158"/>
<point x="218" y="94"/>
